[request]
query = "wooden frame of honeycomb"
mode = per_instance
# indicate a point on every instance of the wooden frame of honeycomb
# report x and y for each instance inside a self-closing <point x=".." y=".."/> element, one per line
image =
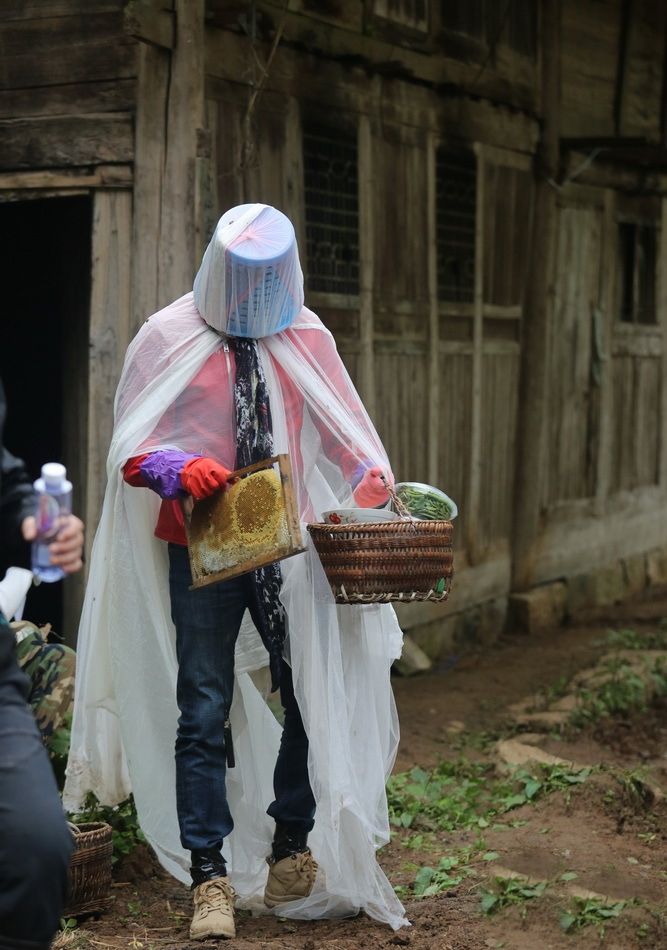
<point x="250" y="524"/>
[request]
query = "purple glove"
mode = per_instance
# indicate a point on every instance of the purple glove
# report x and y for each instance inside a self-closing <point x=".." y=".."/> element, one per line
<point x="162" y="472"/>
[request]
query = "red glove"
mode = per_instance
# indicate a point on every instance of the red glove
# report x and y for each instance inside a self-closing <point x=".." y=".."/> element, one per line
<point x="202" y="477"/>
<point x="370" y="492"/>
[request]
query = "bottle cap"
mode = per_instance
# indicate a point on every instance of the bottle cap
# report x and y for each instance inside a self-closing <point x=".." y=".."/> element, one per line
<point x="54" y="475"/>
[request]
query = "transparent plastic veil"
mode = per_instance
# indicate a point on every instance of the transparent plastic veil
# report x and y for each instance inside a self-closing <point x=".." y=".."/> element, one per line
<point x="125" y="711"/>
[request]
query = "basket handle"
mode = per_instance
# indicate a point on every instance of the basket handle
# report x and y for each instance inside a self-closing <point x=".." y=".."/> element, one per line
<point x="398" y="504"/>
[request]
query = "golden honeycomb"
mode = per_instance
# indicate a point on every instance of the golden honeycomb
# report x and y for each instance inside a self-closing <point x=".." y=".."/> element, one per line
<point x="245" y="523"/>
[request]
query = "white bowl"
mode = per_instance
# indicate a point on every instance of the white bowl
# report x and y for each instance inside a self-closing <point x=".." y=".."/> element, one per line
<point x="358" y="515"/>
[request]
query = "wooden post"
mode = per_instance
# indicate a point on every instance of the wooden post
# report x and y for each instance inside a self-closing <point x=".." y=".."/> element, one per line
<point x="150" y="142"/>
<point x="108" y="336"/>
<point x="662" y="321"/>
<point x="434" y="314"/>
<point x="533" y="374"/>
<point x="607" y="316"/>
<point x="472" y="525"/>
<point x="180" y="233"/>
<point x="366" y="264"/>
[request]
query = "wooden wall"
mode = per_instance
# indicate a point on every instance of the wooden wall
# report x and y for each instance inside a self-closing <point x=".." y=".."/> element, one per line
<point x="67" y="84"/>
<point x="612" y="68"/>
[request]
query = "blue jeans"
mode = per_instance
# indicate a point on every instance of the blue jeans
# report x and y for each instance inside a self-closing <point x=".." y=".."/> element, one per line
<point x="207" y="623"/>
<point x="35" y="843"/>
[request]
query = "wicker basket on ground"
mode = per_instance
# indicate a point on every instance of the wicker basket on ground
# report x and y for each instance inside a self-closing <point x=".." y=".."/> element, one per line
<point x="402" y="560"/>
<point x="90" y="869"/>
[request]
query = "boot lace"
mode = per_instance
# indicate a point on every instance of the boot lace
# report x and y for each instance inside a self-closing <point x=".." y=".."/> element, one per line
<point x="305" y="863"/>
<point x="216" y="895"/>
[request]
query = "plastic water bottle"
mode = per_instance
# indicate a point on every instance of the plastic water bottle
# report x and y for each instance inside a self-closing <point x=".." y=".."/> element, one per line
<point x="54" y="505"/>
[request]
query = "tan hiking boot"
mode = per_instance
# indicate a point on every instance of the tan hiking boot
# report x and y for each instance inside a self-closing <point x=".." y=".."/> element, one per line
<point x="214" y="910"/>
<point x="290" y="879"/>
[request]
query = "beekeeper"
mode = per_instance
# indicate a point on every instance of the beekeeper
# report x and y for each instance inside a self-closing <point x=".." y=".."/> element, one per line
<point x="233" y="373"/>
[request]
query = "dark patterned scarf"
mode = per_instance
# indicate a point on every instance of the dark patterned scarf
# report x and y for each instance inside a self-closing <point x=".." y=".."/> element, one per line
<point x="254" y="442"/>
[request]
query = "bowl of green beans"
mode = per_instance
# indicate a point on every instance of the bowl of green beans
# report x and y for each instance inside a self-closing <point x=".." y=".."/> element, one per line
<point x="426" y="503"/>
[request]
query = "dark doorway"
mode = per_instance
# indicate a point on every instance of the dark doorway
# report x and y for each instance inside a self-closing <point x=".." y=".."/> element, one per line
<point x="45" y="262"/>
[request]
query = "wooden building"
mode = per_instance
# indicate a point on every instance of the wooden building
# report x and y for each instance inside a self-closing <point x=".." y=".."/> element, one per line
<point x="478" y="188"/>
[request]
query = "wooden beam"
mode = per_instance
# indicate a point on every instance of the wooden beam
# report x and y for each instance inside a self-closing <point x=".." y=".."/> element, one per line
<point x="99" y="176"/>
<point x="533" y="395"/>
<point x="64" y="141"/>
<point x="148" y="23"/>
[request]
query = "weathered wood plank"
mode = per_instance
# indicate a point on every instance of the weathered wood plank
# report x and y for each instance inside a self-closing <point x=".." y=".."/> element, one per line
<point x="639" y="106"/>
<point x="500" y="386"/>
<point x="589" y="46"/>
<point x="636" y="439"/>
<point x="323" y="83"/>
<point x="454" y="434"/>
<point x="68" y="49"/>
<point x="311" y="78"/>
<point x="400" y="414"/>
<point x="573" y="428"/>
<point x="46" y="9"/>
<point x="117" y="95"/>
<point x="109" y="333"/>
<point x="64" y="141"/>
<point x="400" y="212"/>
<point x="512" y="82"/>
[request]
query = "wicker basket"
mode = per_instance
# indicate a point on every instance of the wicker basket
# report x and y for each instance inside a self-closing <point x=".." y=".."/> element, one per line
<point x="402" y="560"/>
<point x="90" y="870"/>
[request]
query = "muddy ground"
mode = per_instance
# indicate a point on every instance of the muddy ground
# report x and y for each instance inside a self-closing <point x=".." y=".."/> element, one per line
<point x="602" y="839"/>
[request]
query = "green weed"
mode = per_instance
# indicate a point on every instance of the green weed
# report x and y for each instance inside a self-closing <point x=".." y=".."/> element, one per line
<point x="460" y="795"/>
<point x="585" y="913"/>
<point x="630" y="639"/>
<point x="126" y="833"/>
<point x="511" y="891"/>
<point x="624" y="692"/>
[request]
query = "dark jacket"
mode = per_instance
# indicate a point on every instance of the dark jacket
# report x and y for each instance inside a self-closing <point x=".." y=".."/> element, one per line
<point x="17" y="498"/>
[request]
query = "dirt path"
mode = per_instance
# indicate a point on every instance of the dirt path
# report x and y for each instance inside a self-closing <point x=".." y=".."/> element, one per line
<point x="591" y="843"/>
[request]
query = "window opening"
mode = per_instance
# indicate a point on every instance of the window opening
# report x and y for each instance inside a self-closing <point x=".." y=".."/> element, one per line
<point x="637" y="253"/>
<point x="332" y="210"/>
<point x="456" y="210"/>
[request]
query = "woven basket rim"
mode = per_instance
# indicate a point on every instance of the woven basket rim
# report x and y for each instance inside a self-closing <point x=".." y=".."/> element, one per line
<point x="376" y="525"/>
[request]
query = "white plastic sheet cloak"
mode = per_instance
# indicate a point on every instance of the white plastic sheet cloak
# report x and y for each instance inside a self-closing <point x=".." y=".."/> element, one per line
<point x="125" y="712"/>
